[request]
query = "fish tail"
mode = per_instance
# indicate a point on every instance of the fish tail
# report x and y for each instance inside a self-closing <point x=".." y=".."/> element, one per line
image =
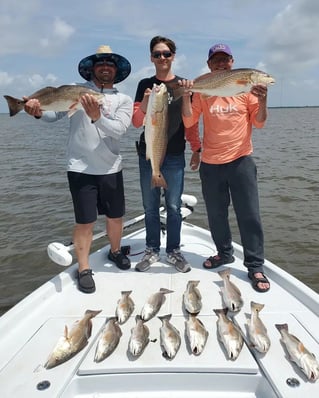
<point x="92" y="313"/>
<point x="177" y="91"/>
<point x="166" y="291"/>
<point x="158" y="181"/>
<point x="194" y="283"/>
<point x="126" y="292"/>
<point x="256" y="307"/>
<point x="15" y="104"/>
<point x="221" y="311"/>
<point x="224" y="273"/>
<point x="163" y="317"/>
<point x="282" y="326"/>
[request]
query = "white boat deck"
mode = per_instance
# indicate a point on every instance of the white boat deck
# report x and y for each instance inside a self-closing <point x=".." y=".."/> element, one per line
<point x="30" y="331"/>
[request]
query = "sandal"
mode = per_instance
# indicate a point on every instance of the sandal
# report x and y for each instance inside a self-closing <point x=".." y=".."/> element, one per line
<point x="85" y="281"/>
<point x="217" y="261"/>
<point x="256" y="281"/>
<point x="120" y="260"/>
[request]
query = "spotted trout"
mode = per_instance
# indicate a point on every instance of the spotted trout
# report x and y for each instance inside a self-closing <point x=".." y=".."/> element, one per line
<point x="226" y="83"/>
<point x="156" y="132"/>
<point x="59" y="99"/>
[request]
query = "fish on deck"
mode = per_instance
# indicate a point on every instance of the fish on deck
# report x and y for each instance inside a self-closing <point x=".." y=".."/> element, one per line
<point x="192" y="298"/>
<point x="170" y="338"/>
<point x="257" y="331"/>
<point x="73" y="340"/>
<point x="196" y="334"/>
<point x="108" y="340"/>
<point x="230" y="292"/>
<point x="125" y="307"/>
<point x="229" y="334"/>
<point x="299" y="354"/>
<point x="153" y="304"/>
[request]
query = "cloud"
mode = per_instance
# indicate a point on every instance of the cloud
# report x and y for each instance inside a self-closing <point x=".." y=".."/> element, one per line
<point x="43" y="39"/>
<point x="290" y="40"/>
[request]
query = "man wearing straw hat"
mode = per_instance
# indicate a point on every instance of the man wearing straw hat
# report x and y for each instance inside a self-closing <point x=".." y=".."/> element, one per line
<point x="93" y="157"/>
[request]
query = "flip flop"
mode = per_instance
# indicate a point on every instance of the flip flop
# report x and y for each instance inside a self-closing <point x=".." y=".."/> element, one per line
<point x="216" y="261"/>
<point x="255" y="281"/>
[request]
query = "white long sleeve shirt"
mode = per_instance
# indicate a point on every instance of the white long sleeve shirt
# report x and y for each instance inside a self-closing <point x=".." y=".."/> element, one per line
<point x="94" y="148"/>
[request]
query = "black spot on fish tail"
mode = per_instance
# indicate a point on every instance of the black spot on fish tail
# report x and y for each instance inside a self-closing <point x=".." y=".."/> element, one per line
<point x="15" y="104"/>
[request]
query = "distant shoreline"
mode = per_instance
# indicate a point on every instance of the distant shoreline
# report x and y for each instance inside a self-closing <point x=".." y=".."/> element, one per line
<point x="269" y="107"/>
<point x="288" y="107"/>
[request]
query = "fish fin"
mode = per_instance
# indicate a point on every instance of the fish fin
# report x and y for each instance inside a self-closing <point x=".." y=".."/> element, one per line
<point x="73" y="109"/>
<point x="301" y="347"/>
<point x="66" y="332"/>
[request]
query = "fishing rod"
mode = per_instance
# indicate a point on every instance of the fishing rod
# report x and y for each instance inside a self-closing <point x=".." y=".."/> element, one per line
<point x="60" y="253"/>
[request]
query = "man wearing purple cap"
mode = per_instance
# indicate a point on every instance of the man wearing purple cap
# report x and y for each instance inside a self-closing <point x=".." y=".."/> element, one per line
<point x="227" y="169"/>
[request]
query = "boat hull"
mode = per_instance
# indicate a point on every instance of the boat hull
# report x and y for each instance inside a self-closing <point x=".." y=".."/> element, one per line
<point x="30" y="330"/>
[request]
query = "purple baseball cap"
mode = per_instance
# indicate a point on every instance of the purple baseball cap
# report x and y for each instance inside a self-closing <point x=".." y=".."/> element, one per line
<point x="219" y="48"/>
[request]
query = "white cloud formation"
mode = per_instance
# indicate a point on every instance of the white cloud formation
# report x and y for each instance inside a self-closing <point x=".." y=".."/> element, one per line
<point x="43" y="38"/>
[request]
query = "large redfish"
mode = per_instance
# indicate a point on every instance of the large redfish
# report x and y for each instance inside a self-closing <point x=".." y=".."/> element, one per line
<point x="156" y="132"/>
<point x="73" y="340"/>
<point x="58" y="99"/>
<point x="226" y="83"/>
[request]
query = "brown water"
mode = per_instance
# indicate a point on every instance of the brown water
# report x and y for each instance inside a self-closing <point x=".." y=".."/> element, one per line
<point x="36" y="209"/>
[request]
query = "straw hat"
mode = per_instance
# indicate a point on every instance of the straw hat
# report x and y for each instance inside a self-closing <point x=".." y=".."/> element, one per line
<point x="105" y="52"/>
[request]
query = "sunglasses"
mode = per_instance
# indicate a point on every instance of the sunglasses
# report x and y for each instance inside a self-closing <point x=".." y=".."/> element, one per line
<point x="159" y="54"/>
<point x="105" y="62"/>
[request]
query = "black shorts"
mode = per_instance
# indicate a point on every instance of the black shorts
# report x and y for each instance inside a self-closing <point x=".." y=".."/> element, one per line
<point x="96" y="194"/>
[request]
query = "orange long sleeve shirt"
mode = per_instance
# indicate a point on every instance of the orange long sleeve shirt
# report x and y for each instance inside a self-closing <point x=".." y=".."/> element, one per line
<point x="228" y="123"/>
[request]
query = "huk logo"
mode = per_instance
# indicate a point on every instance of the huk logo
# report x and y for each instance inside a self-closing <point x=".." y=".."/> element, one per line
<point x="223" y="109"/>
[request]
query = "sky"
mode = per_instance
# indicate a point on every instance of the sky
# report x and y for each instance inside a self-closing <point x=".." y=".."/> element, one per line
<point x="42" y="42"/>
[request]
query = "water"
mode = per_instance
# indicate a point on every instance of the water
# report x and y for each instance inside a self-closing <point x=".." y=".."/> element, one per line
<point x="36" y="209"/>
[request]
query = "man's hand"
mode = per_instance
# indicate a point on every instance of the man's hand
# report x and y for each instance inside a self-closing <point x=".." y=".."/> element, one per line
<point x="91" y="107"/>
<point x="32" y="107"/>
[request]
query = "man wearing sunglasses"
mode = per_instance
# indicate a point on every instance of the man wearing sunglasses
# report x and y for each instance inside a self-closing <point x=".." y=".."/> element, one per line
<point x="93" y="156"/>
<point x="163" y="52"/>
<point x="227" y="170"/>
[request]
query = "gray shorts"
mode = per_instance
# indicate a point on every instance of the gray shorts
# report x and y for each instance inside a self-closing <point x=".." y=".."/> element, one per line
<point x="96" y="194"/>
